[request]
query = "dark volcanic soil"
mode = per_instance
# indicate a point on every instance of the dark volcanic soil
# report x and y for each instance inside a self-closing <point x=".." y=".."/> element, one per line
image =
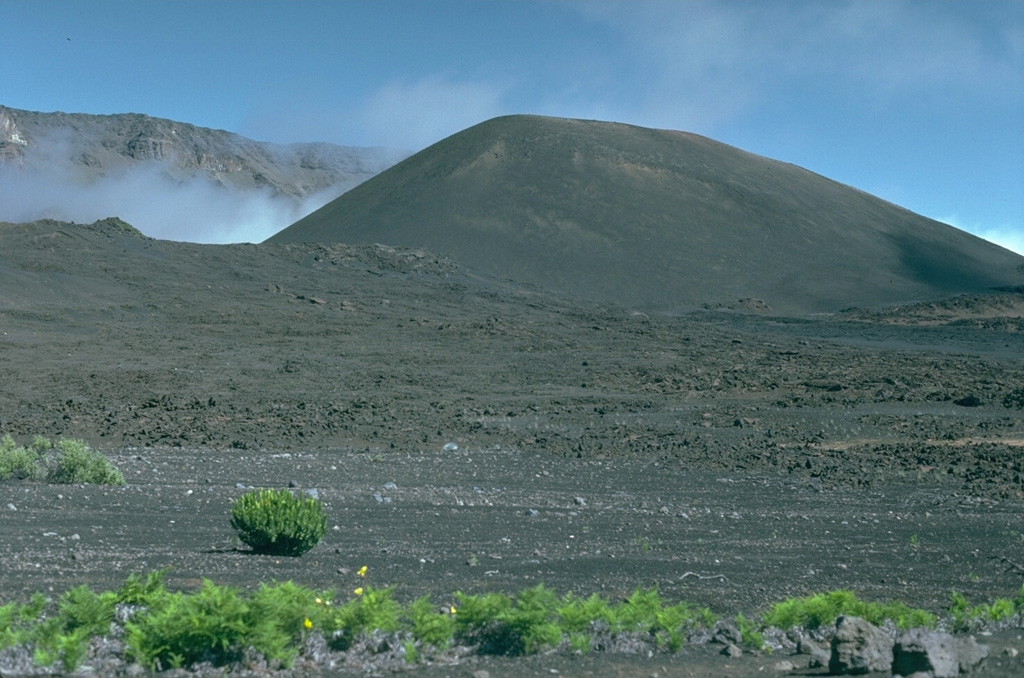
<point x="729" y="458"/>
<point x="477" y="520"/>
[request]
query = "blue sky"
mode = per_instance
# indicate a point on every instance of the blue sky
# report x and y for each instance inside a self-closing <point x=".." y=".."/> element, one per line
<point x="921" y="103"/>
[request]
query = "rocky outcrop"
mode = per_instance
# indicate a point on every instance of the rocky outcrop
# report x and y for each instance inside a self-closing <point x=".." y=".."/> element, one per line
<point x="970" y="654"/>
<point x="819" y="656"/>
<point x="11" y="140"/>
<point x="859" y="647"/>
<point x="920" y="653"/>
<point x="925" y="654"/>
<point x="93" y="146"/>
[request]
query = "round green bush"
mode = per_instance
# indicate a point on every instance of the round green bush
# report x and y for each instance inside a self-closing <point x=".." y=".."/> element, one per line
<point x="276" y="522"/>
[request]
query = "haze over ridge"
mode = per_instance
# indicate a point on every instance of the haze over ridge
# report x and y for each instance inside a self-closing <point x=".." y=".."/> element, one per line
<point x="173" y="180"/>
<point x="655" y="219"/>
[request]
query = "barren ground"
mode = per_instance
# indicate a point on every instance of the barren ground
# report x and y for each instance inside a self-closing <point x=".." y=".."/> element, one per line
<point x="729" y="458"/>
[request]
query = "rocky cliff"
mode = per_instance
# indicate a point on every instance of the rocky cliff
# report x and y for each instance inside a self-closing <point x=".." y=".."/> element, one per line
<point x="94" y="146"/>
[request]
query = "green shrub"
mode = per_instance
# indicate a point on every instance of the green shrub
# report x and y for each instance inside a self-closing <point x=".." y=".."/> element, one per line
<point x="530" y="624"/>
<point x="62" y="635"/>
<point x="81" y="615"/>
<point x="475" y="612"/>
<point x="639" y="612"/>
<point x="578" y="615"/>
<point x="537" y="618"/>
<point x="965" y="616"/>
<point x="822" y="609"/>
<point x="219" y="624"/>
<point x="506" y="626"/>
<point x="18" y="462"/>
<point x="81" y="608"/>
<point x="180" y="630"/>
<point x="280" y="614"/>
<point x="17" y="621"/>
<point x="288" y="604"/>
<point x="142" y="590"/>
<point x="429" y="624"/>
<point x="370" y="610"/>
<point x="276" y="522"/>
<point x="76" y="462"/>
<point x="645" y="611"/>
<point x="749" y="632"/>
<point x="41" y="445"/>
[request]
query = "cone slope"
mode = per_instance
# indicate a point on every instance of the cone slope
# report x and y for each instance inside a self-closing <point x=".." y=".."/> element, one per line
<point x="655" y="220"/>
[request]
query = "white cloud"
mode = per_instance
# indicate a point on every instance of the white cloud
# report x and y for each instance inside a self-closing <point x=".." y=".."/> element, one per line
<point x="196" y="210"/>
<point x="151" y="196"/>
<point x="698" y="65"/>
<point x="686" y="65"/>
<point x="899" y="49"/>
<point x="413" y="115"/>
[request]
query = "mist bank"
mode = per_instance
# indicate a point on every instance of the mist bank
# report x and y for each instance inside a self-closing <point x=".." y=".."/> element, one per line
<point x="174" y="180"/>
<point x="194" y="209"/>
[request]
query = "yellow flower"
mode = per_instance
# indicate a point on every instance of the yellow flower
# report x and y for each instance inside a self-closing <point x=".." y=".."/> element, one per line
<point x="362" y="571"/>
<point x="358" y="591"/>
<point x="319" y="602"/>
<point x="308" y="623"/>
<point x="452" y="609"/>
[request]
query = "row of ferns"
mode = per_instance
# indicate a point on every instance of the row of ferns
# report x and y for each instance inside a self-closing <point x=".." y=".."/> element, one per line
<point x="221" y="625"/>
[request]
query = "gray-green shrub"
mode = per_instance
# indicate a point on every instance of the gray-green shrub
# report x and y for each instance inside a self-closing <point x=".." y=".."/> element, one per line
<point x="18" y="463"/>
<point x="76" y="462"/>
<point x="71" y="461"/>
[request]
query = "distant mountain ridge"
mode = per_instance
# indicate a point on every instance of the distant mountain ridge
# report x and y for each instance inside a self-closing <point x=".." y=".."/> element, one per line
<point x="94" y="146"/>
<point x="655" y="220"/>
